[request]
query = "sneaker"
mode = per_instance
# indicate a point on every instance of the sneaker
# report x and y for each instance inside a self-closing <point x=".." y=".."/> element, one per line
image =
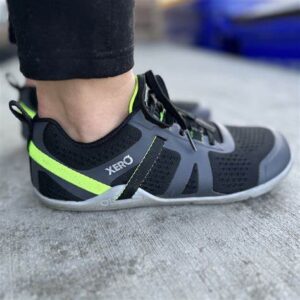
<point x="156" y="156"/>
<point x="28" y="100"/>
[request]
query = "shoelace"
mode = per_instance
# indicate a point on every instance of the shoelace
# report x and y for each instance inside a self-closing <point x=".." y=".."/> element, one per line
<point x="162" y="104"/>
<point x="201" y="126"/>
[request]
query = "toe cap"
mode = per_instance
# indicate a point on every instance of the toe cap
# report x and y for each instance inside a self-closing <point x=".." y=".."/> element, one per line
<point x="276" y="161"/>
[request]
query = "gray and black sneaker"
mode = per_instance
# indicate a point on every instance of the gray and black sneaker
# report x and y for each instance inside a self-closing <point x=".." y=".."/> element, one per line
<point x="28" y="100"/>
<point x="157" y="156"/>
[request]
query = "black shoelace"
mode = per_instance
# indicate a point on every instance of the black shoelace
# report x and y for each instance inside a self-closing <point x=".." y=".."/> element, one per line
<point x="161" y="104"/>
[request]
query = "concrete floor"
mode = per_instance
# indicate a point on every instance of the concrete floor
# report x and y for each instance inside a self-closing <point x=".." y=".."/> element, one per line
<point x="246" y="250"/>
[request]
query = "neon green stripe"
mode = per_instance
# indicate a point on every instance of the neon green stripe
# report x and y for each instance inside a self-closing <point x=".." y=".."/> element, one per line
<point x="162" y="116"/>
<point x="136" y="88"/>
<point x="31" y="113"/>
<point x="82" y="181"/>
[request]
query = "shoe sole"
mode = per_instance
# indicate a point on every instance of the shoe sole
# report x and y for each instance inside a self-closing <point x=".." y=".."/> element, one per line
<point x="144" y="199"/>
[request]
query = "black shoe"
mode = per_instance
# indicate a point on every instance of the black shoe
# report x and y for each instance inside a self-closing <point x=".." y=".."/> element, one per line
<point x="157" y="156"/>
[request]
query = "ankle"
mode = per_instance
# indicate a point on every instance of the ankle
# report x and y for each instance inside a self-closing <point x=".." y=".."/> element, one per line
<point x="86" y="109"/>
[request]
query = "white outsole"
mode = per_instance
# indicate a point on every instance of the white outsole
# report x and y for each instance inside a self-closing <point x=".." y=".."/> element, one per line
<point x="143" y="198"/>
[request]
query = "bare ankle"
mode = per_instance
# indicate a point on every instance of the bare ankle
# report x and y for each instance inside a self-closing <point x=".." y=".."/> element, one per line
<point x="86" y="109"/>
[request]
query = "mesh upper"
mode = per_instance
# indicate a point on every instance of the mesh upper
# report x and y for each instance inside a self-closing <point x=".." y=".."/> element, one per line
<point x="239" y="170"/>
<point x="49" y="188"/>
<point x="160" y="176"/>
<point x="86" y="156"/>
<point x="162" y="173"/>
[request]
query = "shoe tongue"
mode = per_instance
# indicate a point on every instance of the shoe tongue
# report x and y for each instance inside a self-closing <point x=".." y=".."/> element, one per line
<point x="138" y="94"/>
<point x="139" y="98"/>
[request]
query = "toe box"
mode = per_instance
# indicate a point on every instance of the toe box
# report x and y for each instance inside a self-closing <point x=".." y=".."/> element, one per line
<point x="276" y="161"/>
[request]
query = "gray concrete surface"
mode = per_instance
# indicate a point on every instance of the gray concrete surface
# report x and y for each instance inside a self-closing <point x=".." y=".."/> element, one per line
<point x="246" y="250"/>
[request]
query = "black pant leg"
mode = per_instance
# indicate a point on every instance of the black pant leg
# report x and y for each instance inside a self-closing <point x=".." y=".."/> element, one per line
<point x="66" y="39"/>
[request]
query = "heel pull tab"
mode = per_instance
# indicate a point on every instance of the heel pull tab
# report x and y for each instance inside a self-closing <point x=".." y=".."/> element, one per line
<point x="13" y="81"/>
<point x="20" y="113"/>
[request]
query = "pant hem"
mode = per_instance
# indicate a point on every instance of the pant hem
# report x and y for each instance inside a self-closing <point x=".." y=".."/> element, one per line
<point x="75" y="68"/>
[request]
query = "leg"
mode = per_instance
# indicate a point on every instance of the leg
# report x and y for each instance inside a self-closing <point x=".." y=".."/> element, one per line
<point x="87" y="109"/>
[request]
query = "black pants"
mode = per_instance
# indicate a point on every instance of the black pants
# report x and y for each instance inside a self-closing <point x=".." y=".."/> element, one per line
<point x="67" y="39"/>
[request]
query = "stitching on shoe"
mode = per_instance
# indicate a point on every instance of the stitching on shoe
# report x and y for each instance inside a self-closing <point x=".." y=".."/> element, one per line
<point x="137" y="168"/>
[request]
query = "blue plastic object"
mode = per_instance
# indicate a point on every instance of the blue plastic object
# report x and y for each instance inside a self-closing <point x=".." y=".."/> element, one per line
<point x="274" y="37"/>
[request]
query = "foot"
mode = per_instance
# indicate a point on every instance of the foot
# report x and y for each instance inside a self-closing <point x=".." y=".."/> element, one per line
<point x="28" y="100"/>
<point x="157" y="156"/>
